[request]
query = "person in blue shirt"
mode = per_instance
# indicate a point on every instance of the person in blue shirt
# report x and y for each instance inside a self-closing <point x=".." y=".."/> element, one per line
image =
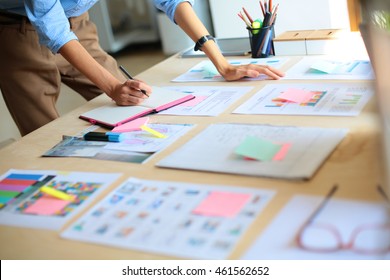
<point x="46" y="42"/>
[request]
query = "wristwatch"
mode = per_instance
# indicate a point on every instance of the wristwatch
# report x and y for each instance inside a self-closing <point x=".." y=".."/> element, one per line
<point x="202" y="41"/>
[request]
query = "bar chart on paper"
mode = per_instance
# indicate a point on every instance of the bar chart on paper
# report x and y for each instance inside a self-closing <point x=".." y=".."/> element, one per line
<point x="339" y="99"/>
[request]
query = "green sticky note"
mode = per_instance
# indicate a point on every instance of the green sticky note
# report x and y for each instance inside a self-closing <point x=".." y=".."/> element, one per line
<point x="257" y="148"/>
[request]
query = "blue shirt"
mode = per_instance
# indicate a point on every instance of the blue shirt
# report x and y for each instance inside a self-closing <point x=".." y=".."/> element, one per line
<point x="50" y="17"/>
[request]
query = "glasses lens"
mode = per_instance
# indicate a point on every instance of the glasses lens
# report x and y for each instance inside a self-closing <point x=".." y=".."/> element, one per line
<point x="374" y="239"/>
<point x="320" y="238"/>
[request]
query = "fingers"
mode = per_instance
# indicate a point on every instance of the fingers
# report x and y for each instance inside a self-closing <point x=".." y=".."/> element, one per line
<point x="272" y="72"/>
<point x="131" y="92"/>
<point x="139" y="86"/>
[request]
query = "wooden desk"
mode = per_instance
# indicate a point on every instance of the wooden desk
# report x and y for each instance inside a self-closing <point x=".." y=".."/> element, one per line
<point x="355" y="165"/>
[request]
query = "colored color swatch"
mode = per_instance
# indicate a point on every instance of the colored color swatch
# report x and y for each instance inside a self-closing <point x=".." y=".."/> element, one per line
<point x="222" y="204"/>
<point x="15" y="184"/>
<point x="257" y="148"/>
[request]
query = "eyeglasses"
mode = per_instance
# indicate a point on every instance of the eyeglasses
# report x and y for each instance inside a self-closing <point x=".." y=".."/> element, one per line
<point x="322" y="238"/>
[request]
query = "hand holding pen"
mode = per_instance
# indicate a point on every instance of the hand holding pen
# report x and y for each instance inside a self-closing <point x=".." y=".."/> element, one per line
<point x="131" y="92"/>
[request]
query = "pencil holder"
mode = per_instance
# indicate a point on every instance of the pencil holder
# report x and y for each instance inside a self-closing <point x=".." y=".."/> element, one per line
<point x="261" y="41"/>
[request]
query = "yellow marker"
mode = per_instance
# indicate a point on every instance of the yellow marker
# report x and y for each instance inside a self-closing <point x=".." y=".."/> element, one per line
<point x="56" y="193"/>
<point x="152" y="131"/>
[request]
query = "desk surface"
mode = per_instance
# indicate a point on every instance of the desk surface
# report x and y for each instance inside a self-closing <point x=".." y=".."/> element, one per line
<point x="355" y="165"/>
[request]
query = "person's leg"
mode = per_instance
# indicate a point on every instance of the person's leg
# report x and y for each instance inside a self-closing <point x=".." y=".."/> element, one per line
<point x="29" y="79"/>
<point x="87" y="34"/>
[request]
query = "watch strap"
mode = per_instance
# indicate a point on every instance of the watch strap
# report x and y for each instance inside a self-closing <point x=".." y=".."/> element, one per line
<point x="202" y="41"/>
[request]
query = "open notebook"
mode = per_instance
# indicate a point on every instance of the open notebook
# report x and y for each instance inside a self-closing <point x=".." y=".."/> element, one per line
<point x="112" y="115"/>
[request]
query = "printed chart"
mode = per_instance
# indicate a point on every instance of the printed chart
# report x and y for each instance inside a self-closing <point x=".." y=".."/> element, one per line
<point x="24" y="204"/>
<point x="340" y="99"/>
<point x="205" y="71"/>
<point x="173" y="218"/>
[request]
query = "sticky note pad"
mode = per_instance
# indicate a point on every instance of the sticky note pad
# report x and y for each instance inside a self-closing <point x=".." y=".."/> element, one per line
<point x="327" y="67"/>
<point x="46" y="206"/>
<point x="222" y="204"/>
<point x="297" y="95"/>
<point x="257" y="148"/>
<point x="132" y="125"/>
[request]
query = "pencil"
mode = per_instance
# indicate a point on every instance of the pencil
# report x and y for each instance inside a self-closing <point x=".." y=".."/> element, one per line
<point x="131" y="78"/>
<point x="247" y="14"/>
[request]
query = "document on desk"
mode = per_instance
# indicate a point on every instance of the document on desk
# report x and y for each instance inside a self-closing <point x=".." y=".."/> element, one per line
<point x="257" y="150"/>
<point x="279" y="240"/>
<point x="330" y="68"/>
<point x="77" y="147"/>
<point x="317" y="99"/>
<point x="23" y="204"/>
<point x="112" y="115"/>
<point x="186" y="220"/>
<point x="205" y="71"/>
<point x="208" y="101"/>
<point x="144" y="142"/>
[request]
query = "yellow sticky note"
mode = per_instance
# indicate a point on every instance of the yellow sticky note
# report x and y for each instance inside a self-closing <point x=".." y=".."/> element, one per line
<point x="152" y="131"/>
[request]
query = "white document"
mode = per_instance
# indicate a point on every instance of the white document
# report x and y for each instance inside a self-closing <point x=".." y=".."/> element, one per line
<point x="205" y="71"/>
<point x="214" y="150"/>
<point x="172" y="218"/>
<point x="145" y="142"/>
<point x="278" y="241"/>
<point x="339" y="99"/>
<point x="328" y="68"/>
<point x="208" y="101"/>
<point x="34" y="209"/>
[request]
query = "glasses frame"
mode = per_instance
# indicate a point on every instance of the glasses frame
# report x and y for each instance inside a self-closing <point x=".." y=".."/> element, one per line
<point x="350" y="245"/>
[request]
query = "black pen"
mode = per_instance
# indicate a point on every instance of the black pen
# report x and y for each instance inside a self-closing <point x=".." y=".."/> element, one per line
<point x="131" y="78"/>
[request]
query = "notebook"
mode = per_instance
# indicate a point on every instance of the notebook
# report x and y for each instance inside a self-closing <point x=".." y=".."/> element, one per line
<point x="112" y="115"/>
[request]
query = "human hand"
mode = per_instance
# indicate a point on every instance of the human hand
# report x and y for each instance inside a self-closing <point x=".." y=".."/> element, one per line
<point x="234" y="72"/>
<point x="131" y="92"/>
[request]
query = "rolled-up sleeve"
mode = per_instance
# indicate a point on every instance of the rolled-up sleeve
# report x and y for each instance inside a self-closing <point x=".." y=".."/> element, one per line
<point x="51" y="23"/>
<point x="169" y="6"/>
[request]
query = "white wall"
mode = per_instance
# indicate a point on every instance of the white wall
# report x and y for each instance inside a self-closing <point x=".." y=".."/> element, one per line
<point x="292" y="15"/>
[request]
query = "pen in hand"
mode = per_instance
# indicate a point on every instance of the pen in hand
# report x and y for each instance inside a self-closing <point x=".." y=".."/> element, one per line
<point x="131" y="78"/>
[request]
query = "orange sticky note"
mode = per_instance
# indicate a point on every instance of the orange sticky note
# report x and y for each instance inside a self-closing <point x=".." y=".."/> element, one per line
<point x="222" y="204"/>
<point x="297" y="95"/>
<point x="132" y="125"/>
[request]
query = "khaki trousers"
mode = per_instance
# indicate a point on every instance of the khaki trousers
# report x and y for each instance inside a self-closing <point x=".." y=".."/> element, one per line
<point x="31" y="75"/>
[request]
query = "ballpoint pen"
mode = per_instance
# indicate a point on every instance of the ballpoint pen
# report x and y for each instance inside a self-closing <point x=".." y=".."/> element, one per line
<point x="131" y="78"/>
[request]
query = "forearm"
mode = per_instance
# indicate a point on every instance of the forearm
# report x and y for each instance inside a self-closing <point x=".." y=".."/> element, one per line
<point x="76" y="55"/>
<point x="187" y="19"/>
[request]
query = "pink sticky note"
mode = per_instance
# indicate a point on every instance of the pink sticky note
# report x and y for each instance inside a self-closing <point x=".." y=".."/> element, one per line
<point x="46" y="206"/>
<point x="282" y="152"/>
<point x="194" y="101"/>
<point x="132" y="125"/>
<point x="222" y="204"/>
<point x="297" y="95"/>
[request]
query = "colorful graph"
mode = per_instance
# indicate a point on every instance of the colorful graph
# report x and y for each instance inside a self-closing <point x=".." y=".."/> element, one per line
<point x="317" y="96"/>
